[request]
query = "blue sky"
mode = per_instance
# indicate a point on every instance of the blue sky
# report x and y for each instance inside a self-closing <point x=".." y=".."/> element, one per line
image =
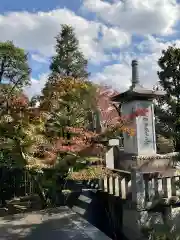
<point x="21" y="5"/>
<point x="111" y="33"/>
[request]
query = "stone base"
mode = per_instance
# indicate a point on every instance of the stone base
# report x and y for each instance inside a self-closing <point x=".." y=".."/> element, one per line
<point x="166" y="164"/>
<point x="157" y="156"/>
<point x="162" y="223"/>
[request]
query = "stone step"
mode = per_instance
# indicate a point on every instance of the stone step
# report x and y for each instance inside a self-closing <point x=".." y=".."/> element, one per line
<point x="83" y="200"/>
<point x="79" y="210"/>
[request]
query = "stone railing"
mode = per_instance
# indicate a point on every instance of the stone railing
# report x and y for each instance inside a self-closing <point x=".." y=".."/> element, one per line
<point x="141" y="192"/>
<point x="142" y="189"/>
<point x="116" y="186"/>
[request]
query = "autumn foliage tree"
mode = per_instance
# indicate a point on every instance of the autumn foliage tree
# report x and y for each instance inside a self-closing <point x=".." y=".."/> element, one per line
<point x="20" y="131"/>
<point x="56" y="134"/>
<point x="14" y="75"/>
<point x="73" y="139"/>
<point x="40" y="138"/>
<point x="66" y="99"/>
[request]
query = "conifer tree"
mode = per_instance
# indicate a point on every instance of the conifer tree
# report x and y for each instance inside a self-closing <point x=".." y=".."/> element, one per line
<point x="69" y="60"/>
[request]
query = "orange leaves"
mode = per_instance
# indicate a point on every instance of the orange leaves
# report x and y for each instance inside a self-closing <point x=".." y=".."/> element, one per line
<point x="77" y="142"/>
<point x="82" y="131"/>
<point x="82" y="139"/>
<point x="68" y="83"/>
<point x="109" y="114"/>
<point x="69" y="148"/>
<point x="138" y="112"/>
<point x="19" y="108"/>
<point x="125" y="121"/>
<point x="60" y="87"/>
<point x="64" y="97"/>
<point x="49" y="158"/>
<point x="130" y="117"/>
<point x="19" y="101"/>
<point x="129" y="131"/>
<point x="60" y="92"/>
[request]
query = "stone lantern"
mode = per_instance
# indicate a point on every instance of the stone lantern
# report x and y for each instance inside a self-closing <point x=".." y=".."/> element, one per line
<point x="138" y="97"/>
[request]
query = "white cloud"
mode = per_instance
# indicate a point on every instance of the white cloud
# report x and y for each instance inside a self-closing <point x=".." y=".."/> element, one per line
<point x="36" y="31"/>
<point x="36" y="85"/>
<point x="152" y="44"/>
<point x="119" y="75"/>
<point x="137" y="16"/>
<point x="39" y="58"/>
<point x="116" y="75"/>
<point x="114" y="38"/>
<point x="148" y="62"/>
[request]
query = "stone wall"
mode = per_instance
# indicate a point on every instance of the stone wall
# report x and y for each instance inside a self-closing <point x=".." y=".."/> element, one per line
<point x="101" y="210"/>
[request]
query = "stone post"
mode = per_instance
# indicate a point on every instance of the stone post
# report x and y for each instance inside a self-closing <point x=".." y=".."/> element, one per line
<point x="110" y="153"/>
<point x="134" y="213"/>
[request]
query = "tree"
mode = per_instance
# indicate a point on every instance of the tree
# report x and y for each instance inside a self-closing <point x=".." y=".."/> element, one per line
<point x="67" y="102"/>
<point x="36" y="138"/>
<point x="68" y="98"/>
<point x="106" y="112"/>
<point x="21" y="128"/>
<point x="20" y="136"/>
<point x="14" y="72"/>
<point x="21" y="132"/>
<point x="168" y="109"/>
<point x="69" y="60"/>
<point x="14" y="67"/>
<point x="17" y="121"/>
<point x="14" y="75"/>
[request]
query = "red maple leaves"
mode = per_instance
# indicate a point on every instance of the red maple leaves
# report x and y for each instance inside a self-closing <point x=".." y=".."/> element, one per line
<point x="20" y="101"/>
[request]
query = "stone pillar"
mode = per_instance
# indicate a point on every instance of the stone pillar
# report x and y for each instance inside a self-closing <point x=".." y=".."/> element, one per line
<point x="134" y="213"/>
<point x="144" y="141"/>
<point x="138" y="189"/>
<point x="110" y="161"/>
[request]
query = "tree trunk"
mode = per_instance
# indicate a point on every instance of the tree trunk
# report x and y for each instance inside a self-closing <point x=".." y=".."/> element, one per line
<point x="177" y="145"/>
<point x="177" y="127"/>
<point x="2" y="68"/>
<point x="68" y="123"/>
<point x="41" y="191"/>
<point x="3" y="177"/>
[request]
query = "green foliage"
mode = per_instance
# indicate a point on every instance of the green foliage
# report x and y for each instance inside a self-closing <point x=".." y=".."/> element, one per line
<point x="14" y="67"/>
<point x="168" y="119"/>
<point x="67" y="102"/>
<point x="69" y="60"/>
<point x="164" y="145"/>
